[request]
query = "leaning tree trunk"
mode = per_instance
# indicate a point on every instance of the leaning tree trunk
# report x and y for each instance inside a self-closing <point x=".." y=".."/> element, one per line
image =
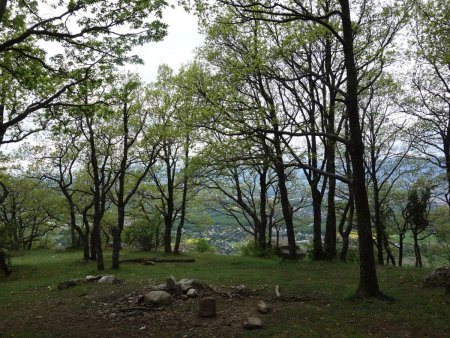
<point x="368" y="282"/>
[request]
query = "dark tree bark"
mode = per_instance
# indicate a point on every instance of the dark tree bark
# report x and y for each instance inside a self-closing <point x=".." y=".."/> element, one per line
<point x="180" y="227"/>
<point x="368" y="284"/>
<point x="4" y="264"/>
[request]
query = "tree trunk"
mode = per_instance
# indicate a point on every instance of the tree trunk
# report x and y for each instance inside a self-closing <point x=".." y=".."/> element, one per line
<point x="117" y="245"/>
<point x="317" y="223"/>
<point x="167" y="238"/>
<point x="345" y="234"/>
<point x="92" y="247"/>
<point x="176" y="249"/>
<point x="379" y="228"/>
<point x="262" y="209"/>
<point x="400" y="249"/>
<point x="447" y="164"/>
<point x="330" y="251"/>
<point x="368" y="283"/>
<point x="390" y="257"/>
<point x="417" y="251"/>
<point x="4" y="264"/>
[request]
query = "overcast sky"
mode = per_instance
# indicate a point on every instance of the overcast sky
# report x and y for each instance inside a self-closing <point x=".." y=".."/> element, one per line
<point x="176" y="48"/>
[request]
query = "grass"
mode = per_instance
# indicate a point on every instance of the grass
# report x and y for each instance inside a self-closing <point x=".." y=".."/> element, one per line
<point x="416" y="312"/>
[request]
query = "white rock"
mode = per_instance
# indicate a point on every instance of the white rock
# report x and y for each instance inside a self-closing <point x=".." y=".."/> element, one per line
<point x="263" y="307"/>
<point x="108" y="279"/>
<point x="192" y="293"/>
<point x="253" y="323"/>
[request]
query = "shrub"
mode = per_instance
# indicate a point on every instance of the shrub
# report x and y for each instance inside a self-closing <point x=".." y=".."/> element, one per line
<point x="252" y="249"/>
<point x="145" y="236"/>
<point x="202" y="245"/>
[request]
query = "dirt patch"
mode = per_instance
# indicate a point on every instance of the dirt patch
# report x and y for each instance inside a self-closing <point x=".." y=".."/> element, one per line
<point x="117" y="311"/>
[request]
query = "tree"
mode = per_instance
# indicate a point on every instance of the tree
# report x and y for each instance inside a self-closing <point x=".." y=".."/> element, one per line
<point x="87" y="33"/>
<point x="346" y="33"/>
<point x="170" y="173"/>
<point x="131" y="170"/>
<point x="416" y="214"/>
<point x="385" y="154"/>
<point x="430" y="105"/>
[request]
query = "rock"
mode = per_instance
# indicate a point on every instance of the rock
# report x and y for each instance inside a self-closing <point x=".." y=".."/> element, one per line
<point x="263" y="307"/>
<point x="109" y="279"/>
<point x="192" y="293"/>
<point x="184" y="297"/>
<point x="253" y="323"/>
<point x="158" y="298"/>
<point x="439" y="277"/>
<point x="171" y="282"/>
<point x="207" y="307"/>
<point x="162" y="287"/>
<point x="185" y="284"/>
<point x="241" y="288"/>
<point x="92" y="279"/>
<point x="69" y="283"/>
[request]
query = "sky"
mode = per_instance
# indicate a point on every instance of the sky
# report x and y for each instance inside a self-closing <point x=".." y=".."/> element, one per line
<point x="176" y="49"/>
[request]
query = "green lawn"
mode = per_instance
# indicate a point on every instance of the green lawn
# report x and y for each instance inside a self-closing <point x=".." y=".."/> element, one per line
<point x="30" y="292"/>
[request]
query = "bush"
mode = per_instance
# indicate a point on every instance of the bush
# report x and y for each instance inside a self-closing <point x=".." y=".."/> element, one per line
<point x="144" y="236"/>
<point x="252" y="249"/>
<point x="202" y="245"/>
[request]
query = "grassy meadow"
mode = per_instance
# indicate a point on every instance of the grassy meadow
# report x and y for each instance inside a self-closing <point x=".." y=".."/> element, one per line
<point x="32" y="306"/>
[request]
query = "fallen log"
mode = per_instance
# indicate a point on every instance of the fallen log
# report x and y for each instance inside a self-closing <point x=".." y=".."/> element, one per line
<point x="153" y="261"/>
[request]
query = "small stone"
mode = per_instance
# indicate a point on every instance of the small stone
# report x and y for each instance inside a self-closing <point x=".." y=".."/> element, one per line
<point x="263" y="307"/>
<point x="192" y="293"/>
<point x="142" y="328"/>
<point x="253" y="323"/>
<point x="171" y="282"/>
<point x="162" y="287"/>
<point x="184" y="297"/>
<point x="207" y="307"/>
<point x="158" y="298"/>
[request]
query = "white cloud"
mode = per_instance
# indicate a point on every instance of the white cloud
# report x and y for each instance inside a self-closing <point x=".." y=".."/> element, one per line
<point x="177" y="47"/>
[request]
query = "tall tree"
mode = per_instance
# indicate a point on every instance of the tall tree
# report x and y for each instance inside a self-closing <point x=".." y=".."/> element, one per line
<point x="346" y="34"/>
<point x="430" y="105"/>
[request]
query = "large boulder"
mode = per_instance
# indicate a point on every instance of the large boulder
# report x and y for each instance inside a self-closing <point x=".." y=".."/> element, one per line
<point x="438" y="278"/>
<point x="158" y="298"/>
